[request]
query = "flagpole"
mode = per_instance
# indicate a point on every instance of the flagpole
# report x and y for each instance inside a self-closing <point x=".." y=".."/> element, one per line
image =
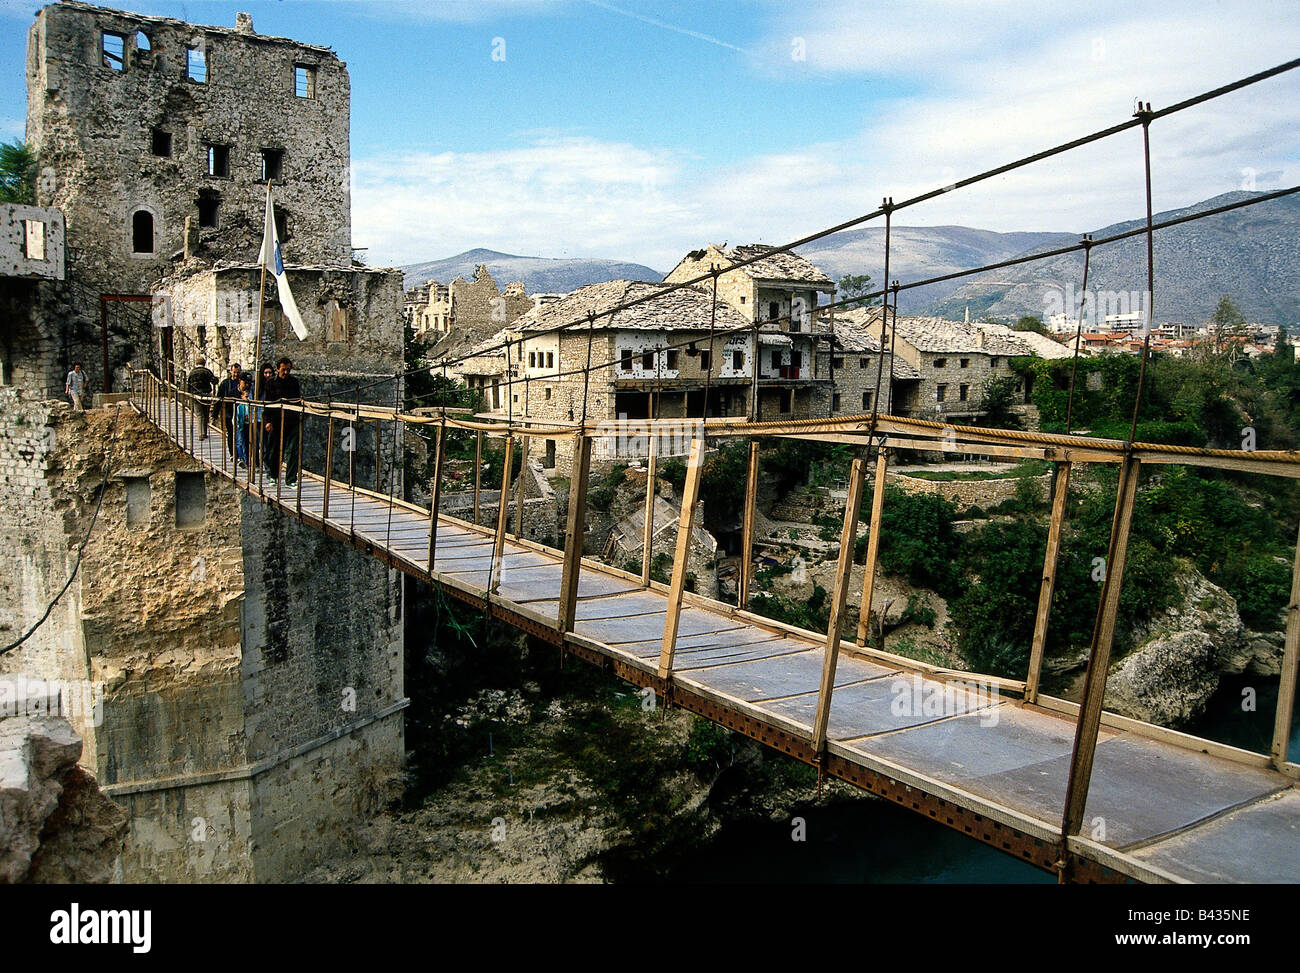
<point x="261" y="310"/>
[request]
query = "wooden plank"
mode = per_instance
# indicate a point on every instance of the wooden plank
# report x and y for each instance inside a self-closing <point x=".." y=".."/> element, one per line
<point x="574" y="534"/>
<point x="747" y="531"/>
<point x="503" y="514"/>
<point x="1290" y="661"/>
<point x="435" y="492"/>
<point x="648" y="528"/>
<point x="873" y="549"/>
<point x="1062" y="488"/>
<point x="843" y="569"/>
<point x="685" y="525"/>
<point x="1094" y="690"/>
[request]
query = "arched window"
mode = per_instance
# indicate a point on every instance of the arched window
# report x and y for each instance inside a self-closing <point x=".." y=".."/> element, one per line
<point x="142" y="231"/>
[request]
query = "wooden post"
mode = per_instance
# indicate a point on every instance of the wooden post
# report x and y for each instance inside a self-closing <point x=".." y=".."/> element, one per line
<point x="574" y="534"/>
<point x="478" y="466"/>
<point x="435" y="492"/>
<point x="1094" y="687"/>
<point x="685" y="526"/>
<point x="648" y="528"/>
<point x="747" y="530"/>
<point x="503" y="514"/>
<point x="843" y="571"/>
<point x="1061" y="488"/>
<point x="1290" y="658"/>
<point x="519" y="503"/>
<point x="873" y="549"/>
<point x="329" y="462"/>
<point x="379" y="449"/>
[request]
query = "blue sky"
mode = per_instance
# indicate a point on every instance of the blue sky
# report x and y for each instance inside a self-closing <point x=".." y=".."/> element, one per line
<point x="637" y="130"/>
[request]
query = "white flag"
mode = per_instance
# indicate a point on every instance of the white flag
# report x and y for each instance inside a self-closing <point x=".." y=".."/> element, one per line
<point x="271" y="258"/>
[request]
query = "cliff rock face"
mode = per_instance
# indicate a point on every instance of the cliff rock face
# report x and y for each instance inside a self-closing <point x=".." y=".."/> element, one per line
<point x="56" y="825"/>
<point x="1168" y="681"/>
<point x="1179" y="656"/>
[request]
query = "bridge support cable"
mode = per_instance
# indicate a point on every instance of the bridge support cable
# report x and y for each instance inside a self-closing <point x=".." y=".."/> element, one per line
<point x="435" y="488"/>
<point x="574" y="535"/>
<point x="873" y="549"/>
<point x="503" y="515"/>
<point x="747" y="528"/>
<point x="1144" y="113"/>
<point x="1078" y="334"/>
<point x="519" y="496"/>
<point x="478" y="464"/>
<point x="685" y="527"/>
<point x="887" y="205"/>
<point x="839" y="598"/>
<point x="648" y="528"/>
<point x="1290" y="663"/>
<point x="1060" y="490"/>
<point x="1094" y="688"/>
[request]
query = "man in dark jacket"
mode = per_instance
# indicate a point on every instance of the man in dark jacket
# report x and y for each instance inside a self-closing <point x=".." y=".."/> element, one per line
<point x="283" y="425"/>
<point x="228" y="394"/>
<point x="200" y="382"/>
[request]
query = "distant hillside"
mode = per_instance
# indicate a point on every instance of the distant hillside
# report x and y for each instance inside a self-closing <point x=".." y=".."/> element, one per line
<point x="539" y="274"/>
<point x="1252" y="254"/>
<point x="916" y="252"/>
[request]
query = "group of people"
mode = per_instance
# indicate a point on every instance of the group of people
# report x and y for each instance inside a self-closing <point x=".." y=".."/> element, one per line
<point x="254" y="429"/>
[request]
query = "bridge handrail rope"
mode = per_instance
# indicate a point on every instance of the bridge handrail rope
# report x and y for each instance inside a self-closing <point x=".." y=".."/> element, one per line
<point x="896" y="286"/>
<point x="1100" y="450"/>
<point x="1143" y="120"/>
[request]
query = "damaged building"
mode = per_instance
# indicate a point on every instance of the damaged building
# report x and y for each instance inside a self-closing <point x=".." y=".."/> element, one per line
<point x="249" y="670"/>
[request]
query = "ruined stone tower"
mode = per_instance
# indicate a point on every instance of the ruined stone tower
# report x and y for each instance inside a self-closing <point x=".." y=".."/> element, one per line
<point x="244" y="674"/>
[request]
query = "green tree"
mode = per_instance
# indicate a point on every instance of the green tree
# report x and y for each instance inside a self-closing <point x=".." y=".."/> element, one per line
<point x="996" y="399"/>
<point x="17" y="173"/>
<point x="854" y="288"/>
<point x="1228" y="324"/>
<point x="1030" y="322"/>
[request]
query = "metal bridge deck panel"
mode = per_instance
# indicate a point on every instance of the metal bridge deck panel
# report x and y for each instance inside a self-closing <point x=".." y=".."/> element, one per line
<point x="785" y="675"/>
<point x="867" y="708"/>
<point x="1258" y="843"/>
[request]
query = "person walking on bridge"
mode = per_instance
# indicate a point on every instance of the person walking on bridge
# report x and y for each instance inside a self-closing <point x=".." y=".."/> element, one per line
<point x="227" y="394"/>
<point x="240" y="417"/>
<point x="200" y="382"/>
<point x="261" y="438"/>
<point x="283" y="424"/>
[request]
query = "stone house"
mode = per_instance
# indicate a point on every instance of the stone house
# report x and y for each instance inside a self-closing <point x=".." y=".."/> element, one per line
<point x="856" y="370"/>
<point x="779" y="293"/>
<point x="652" y="360"/>
<point x="955" y="359"/>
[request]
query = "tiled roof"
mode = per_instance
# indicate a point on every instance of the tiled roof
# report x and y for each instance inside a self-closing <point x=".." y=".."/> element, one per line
<point x="776" y="266"/>
<point x="941" y="336"/>
<point x="684" y="309"/>
<point x="853" y="336"/>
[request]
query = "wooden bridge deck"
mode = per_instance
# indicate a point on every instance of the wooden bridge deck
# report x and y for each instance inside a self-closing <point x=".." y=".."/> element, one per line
<point x="1159" y="809"/>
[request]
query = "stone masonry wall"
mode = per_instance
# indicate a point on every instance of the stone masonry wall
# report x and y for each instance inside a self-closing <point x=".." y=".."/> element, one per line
<point x="251" y="669"/>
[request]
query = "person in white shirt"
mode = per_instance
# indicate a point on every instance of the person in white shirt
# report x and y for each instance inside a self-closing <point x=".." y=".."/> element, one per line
<point x="75" y="386"/>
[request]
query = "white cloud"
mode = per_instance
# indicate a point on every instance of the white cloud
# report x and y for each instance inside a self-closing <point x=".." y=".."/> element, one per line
<point x="982" y="86"/>
<point x="556" y="195"/>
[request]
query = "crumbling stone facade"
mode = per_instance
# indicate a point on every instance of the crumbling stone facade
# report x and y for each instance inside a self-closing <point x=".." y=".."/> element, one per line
<point x="250" y="668"/>
<point x="154" y="137"/>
